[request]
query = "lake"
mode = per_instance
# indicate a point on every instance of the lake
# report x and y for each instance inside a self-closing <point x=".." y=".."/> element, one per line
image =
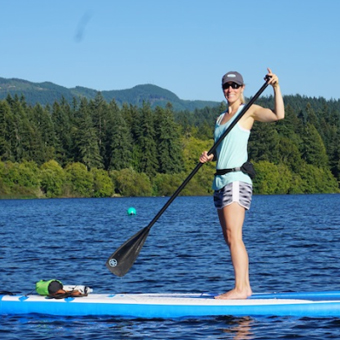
<point x="293" y="243"/>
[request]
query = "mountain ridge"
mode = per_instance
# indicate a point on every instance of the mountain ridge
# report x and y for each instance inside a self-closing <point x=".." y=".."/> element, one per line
<point x="46" y="93"/>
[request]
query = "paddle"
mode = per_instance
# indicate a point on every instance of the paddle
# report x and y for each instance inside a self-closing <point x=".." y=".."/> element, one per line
<point x="120" y="262"/>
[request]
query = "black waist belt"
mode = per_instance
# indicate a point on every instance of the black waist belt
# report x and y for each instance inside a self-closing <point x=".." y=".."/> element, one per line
<point x="246" y="168"/>
<point x="220" y="172"/>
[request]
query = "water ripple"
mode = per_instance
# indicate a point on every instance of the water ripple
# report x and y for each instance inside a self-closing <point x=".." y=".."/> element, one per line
<point x="292" y="243"/>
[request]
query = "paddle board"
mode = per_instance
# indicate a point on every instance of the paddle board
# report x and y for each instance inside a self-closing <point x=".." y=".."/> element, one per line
<point x="309" y="304"/>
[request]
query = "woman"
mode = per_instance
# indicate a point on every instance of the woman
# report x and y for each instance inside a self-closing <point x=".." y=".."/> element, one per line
<point x="233" y="190"/>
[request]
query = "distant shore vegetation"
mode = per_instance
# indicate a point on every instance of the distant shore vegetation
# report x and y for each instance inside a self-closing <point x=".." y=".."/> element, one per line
<point x="94" y="148"/>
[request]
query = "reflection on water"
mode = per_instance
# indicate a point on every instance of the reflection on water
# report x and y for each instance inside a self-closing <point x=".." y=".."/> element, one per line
<point x="240" y="328"/>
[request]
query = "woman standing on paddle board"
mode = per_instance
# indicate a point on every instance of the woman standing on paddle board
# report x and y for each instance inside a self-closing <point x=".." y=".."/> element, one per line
<point x="233" y="187"/>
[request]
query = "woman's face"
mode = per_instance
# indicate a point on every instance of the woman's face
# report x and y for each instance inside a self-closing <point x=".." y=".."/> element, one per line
<point x="232" y="92"/>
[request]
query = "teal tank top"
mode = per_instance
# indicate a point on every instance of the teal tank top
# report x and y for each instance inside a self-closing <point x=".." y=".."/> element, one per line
<point x="232" y="152"/>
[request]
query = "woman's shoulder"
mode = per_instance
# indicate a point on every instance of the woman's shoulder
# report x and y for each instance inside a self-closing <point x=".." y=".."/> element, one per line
<point x="220" y="117"/>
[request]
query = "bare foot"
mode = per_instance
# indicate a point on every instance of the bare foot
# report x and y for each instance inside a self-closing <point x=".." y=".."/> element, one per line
<point x="234" y="294"/>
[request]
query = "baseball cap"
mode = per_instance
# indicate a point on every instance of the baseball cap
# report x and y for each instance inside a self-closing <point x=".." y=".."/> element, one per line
<point x="232" y="76"/>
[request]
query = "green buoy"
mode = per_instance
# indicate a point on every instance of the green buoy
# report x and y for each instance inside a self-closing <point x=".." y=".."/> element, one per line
<point x="131" y="211"/>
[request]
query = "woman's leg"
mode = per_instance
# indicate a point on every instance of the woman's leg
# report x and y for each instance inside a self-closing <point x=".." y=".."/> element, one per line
<point x="231" y="219"/>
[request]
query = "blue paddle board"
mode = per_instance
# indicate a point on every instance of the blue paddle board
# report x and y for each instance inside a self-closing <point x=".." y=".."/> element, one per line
<point x="307" y="304"/>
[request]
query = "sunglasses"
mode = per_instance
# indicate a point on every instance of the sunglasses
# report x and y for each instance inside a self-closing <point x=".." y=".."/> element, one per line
<point x="233" y="86"/>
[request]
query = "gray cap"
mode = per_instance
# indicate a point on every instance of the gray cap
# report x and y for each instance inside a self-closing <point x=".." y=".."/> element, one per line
<point x="232" y="76"/>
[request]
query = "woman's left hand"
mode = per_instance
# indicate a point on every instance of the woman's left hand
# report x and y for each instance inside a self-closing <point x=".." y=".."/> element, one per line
<point x="273" y="80"/>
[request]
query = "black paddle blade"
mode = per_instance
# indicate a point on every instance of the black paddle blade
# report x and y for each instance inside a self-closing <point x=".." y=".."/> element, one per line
<point x="120" y="262"/>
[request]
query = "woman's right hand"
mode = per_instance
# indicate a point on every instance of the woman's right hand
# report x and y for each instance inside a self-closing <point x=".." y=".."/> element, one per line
<point x="205" y="157"/>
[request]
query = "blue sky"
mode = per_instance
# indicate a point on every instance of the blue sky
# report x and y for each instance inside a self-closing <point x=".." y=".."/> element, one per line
<point x="184" y="46"/>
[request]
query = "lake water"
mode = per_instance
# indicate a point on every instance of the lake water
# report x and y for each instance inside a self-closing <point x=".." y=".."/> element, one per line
<point x="293" y="244"/>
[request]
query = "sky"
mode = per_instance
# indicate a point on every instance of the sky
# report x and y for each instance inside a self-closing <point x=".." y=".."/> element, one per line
<point x="184" y="46"/>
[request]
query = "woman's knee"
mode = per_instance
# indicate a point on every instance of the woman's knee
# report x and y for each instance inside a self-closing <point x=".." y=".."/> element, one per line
<point x="233" y="236"/>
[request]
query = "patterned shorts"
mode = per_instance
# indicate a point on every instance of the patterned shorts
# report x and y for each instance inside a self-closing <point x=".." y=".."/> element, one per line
<point x="239" y="192"/>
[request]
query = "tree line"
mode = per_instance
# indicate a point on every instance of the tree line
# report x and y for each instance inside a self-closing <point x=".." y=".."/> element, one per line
<point x="94" y="148"/>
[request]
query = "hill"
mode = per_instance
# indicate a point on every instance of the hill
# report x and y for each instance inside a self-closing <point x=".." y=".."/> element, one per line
<point x="47" y="93"/>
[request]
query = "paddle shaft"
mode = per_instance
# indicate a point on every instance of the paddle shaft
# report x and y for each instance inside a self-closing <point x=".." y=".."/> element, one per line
<point x="120" y="262"/>
<point x="213" y="148"/>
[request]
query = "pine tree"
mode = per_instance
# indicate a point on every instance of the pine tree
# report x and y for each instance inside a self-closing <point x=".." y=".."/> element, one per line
<point x="311" y="117"/>
<point x="334" y="150"/>
<point x="6" y="131"/>
<point x="44" y="130"/>
<point x="264" y="143"/>
<point x="87" y="149"/>
<point x="169" y="150"/>
<point x="288" y="126"/>
<point x="148" y="151"/>
<point x="289" y="154"/>
<point x="120" y="141"/>
<point x="313" y="148"/>
<point x="62" y="129"/>
<point x="26" y="142"/>
<point x="100" y="114"/>
<point x="131" y="116"/>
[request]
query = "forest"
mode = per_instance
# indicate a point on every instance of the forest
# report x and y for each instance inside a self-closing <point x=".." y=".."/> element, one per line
<point x="95" y="148"/>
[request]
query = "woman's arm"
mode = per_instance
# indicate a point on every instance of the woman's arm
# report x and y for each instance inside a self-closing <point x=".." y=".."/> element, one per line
<point x="267" y="115"/>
